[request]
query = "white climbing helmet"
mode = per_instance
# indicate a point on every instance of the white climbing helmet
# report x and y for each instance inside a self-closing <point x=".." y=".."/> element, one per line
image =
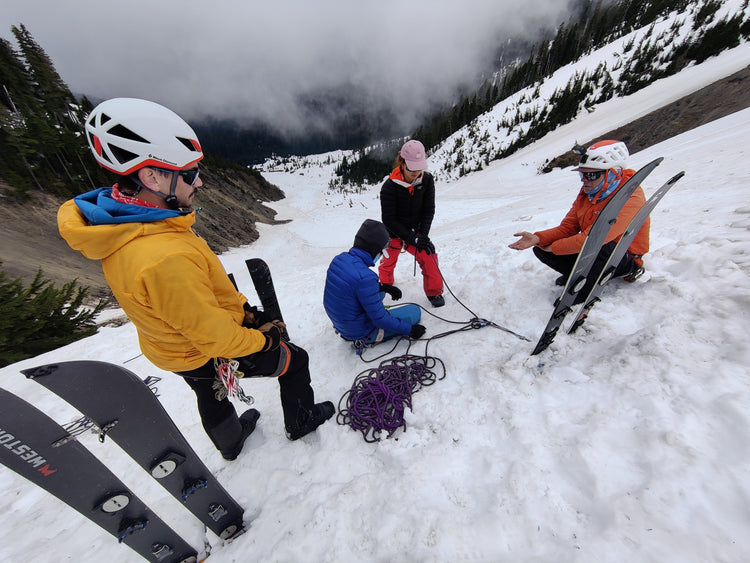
<point x="126" y="134"/>
<point x="604" y="155"/>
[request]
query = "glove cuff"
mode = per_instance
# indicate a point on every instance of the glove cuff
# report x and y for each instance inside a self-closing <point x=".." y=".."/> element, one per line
<point x="273" y="337"/>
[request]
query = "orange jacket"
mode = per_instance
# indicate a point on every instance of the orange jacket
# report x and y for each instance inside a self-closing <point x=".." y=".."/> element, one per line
<point x="569" y="236"/>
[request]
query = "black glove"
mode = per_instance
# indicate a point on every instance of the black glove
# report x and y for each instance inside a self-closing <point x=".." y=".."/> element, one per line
<point x="254" y="317"/>
<point x="424" y="243"/>
<point x="273" y="336"/>
<point x="412" y="238"/>
<point x="417" y="332"/>
<point x="391" y="290"/>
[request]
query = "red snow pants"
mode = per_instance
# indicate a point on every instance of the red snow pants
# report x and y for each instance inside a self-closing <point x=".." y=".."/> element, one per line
<point x="428" y="263"/>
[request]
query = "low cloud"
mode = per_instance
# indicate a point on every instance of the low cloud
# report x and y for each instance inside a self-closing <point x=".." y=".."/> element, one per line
<point x="268" y="62"/>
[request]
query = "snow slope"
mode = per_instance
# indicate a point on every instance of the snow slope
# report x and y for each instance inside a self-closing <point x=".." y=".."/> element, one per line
<point x="628" y="441"/>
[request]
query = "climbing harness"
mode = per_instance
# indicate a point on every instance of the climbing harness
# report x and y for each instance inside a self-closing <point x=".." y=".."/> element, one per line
<point x="226" y="383"/>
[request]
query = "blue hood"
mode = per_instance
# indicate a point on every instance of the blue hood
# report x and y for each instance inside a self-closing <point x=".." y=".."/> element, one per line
<point x="100" y="209"/>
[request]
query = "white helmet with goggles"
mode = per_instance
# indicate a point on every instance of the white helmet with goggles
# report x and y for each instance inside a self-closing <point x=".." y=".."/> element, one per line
<point x="127" y="134"/>
<point x="603" y="155"/>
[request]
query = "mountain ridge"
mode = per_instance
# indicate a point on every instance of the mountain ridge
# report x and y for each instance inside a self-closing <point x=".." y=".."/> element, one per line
<point x="61" y="264"/>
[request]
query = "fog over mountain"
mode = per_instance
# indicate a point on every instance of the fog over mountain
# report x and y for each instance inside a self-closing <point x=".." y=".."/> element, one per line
<point x="297" y="69"/>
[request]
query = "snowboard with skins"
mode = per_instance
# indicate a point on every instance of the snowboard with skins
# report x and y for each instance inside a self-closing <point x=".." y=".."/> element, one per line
<point x="40" y="450"/>
<point x="263" y="282"/>
<point x="588" y="253"/>
<point x="121" y="404"/>
<point x="620" y="249"/>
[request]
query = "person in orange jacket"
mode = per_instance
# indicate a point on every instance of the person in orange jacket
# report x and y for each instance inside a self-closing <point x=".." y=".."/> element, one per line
<point x="603" y="170"/>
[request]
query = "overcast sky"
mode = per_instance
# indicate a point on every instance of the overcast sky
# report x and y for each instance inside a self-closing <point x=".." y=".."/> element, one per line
<point x="252" y="60"/>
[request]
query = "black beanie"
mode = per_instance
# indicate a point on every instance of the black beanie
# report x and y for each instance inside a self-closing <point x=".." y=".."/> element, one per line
<point x="372" y="237"/>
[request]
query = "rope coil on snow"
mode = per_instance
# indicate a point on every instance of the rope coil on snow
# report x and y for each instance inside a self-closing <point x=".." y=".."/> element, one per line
<point x="379" y="396"/>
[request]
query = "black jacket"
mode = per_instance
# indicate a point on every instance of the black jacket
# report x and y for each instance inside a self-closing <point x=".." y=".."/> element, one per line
<point x="404" y="212"/>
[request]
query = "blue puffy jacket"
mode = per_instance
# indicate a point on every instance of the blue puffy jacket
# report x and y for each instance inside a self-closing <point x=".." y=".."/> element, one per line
<point x="352" y="298"/>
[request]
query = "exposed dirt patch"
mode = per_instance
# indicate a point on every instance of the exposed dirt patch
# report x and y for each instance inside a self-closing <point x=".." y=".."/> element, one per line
<point x="231" y="205"/>
<point x="715" y="101"/>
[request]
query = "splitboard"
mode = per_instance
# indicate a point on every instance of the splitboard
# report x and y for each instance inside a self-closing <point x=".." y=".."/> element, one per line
<point x="129" y="413"/>
<point x="42" y="451"/>
<point x="588" y="253"/>
<point x="619" y="251"/>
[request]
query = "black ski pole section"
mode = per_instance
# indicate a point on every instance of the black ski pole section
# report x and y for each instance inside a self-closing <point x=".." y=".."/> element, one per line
<point x="590" y="249"/>
<point x="263" y="282"/>
<point x="40" y="450"/>
<point x="121" y="404"/>
<point x="620" y="249"/>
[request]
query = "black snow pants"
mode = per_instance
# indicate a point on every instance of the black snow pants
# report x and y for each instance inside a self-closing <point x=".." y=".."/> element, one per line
<point x="289" y="363"/>
<point x="564" y="263"/>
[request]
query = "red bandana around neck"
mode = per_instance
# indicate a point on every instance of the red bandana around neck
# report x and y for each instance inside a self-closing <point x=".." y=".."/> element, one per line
<point x="117" y="195"/>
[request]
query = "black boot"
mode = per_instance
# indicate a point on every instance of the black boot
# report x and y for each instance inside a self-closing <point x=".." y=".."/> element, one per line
<point x="436" y="300"/>
<point x="230" y="434"/>
<point x="307" y="421"/>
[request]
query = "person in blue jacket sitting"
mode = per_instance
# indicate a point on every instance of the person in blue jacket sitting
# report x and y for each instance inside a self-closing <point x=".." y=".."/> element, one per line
<point x="353" y="297"/>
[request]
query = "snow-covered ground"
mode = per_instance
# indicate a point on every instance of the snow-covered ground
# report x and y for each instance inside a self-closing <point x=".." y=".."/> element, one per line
<point x="629" y="441"/>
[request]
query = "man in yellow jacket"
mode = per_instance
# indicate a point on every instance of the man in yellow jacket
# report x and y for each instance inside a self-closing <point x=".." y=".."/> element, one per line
<point x="603" y="171"/>
<point x="190" y="318"/>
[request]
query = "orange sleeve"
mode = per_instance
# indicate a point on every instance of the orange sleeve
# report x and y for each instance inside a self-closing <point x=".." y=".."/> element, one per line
<point x="569" y="233"/>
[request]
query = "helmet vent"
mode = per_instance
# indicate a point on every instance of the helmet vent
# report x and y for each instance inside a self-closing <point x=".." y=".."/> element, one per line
<point x="188" y="143"/>
<point x="121" y="154"/>
<point x="104" y="119"/>
<point x="120" y="130"/>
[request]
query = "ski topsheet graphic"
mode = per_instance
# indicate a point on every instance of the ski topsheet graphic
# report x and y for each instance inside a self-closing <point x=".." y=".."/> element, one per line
<point x="121" y="404"/>
<point x="37" y="448"/>
<point x="622" y="247"/>
<point x="590" y="249"/>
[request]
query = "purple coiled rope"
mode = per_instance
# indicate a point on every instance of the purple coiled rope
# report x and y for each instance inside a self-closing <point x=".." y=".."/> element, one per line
<point x="378" y="397"/>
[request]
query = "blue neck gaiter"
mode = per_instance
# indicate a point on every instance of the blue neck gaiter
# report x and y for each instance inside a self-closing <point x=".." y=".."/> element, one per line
<point x="608" y="184"/>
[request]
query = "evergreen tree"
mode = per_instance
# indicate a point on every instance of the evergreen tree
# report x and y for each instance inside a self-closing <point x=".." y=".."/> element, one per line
<point x="16" y="147"/>
<point x="54" y="95"/>
<point x="41" y="145"/>
<point x="41" y="317"/>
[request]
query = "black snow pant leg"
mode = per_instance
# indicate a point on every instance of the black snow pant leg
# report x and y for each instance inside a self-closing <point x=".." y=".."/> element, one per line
<point x="564" y="263"/>
<point x="219" y="418"/>
<point x="290" y="364"/>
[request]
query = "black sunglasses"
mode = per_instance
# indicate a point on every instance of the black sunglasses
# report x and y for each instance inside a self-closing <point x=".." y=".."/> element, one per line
<point x="189" y="176"/>
<point x="590" y="176"/>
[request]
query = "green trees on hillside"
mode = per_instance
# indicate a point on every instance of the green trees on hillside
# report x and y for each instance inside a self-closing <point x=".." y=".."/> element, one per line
<point x="41" y="317"/>
<point x="368" y="166"/>
<point x="41" y="141"/>
<point x="598" y="24"/>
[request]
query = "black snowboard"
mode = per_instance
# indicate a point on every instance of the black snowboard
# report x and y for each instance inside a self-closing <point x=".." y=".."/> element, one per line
<point x="39" y="449"/>
<point x="263" y="282"/>
<point x="588" y="253"/>
<point x="120" y="402"/>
